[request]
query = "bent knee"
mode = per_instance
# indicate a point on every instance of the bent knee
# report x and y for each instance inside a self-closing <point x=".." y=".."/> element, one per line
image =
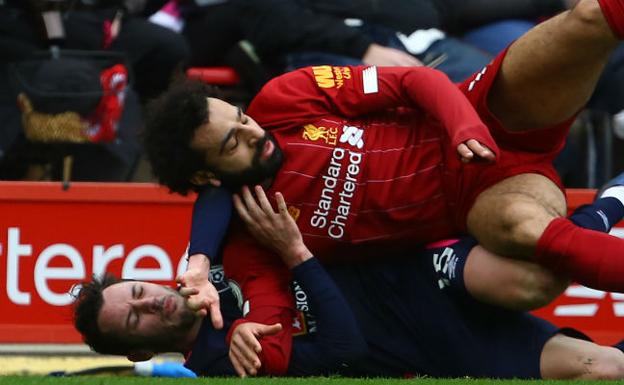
<point x="522" y="223"/>
<point x="587" y="14"/>
<point x="510" y="217"/>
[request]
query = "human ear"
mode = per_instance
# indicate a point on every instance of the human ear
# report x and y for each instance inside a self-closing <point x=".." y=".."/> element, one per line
<point x="140" y="355"/>
<point x="201" y="178"/>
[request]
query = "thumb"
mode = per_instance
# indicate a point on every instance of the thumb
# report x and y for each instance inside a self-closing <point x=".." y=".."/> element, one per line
<point x="215" y="315"/>
<point x="269" y="330"/>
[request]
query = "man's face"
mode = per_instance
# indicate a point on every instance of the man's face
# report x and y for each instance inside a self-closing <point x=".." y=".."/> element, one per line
<point x="236" y="148"/>
<point x="146" y="313"/>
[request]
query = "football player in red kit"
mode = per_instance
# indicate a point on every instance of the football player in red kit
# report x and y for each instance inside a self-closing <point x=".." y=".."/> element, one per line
<point x="387" y="157"/>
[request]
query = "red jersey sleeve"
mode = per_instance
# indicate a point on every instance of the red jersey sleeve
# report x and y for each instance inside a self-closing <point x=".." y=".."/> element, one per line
<point x="357" y="91"/>
<point x="265" y="283"/>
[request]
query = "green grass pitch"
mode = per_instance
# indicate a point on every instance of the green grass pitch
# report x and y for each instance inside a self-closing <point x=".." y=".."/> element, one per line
<point x="102" y="380"/>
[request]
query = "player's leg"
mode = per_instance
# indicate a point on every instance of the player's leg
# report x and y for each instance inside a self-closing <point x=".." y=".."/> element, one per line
<point x="509" y="217"/>
<point x="524" y="285"/>
<point x="462" y="267"/>
<point x="510" y="283"/>
<point x="571" y="358"/>
<point x="549" y="74"/>
<point x="522" y="216"/>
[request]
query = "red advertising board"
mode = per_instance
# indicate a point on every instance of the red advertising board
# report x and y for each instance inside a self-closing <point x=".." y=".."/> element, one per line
<point x="51" y="239"/>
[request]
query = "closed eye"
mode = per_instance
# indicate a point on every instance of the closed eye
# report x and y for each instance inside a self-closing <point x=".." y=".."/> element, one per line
<point x="229" y="142"/>
<point x="132" y="320"/>
<point x="232" y="143"/>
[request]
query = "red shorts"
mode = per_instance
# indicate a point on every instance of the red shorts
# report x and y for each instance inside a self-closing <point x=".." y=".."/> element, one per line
<point x="531" y="151"/>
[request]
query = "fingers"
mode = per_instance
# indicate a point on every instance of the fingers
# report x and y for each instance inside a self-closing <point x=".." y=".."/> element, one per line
<point x="237" y="364"/>
<point x="250" y="346"/>
<point x="283" y="208"/>
<point x="247" y="207"/>
<point x="249" y="363"/>
<point x="245" y="347"/>
<point x="258" y="206"/>
<point x="203" y="299"/>
<point x="471" y="148"/>
<point x="187" y="291"/>
<point x="215" y="315"/>
<point x="200" y="305"/>
<point x="250" y="203"/>
<point x="241" y="209"/>
<point x="281" y="203"/>
<point x="264" y="201"/>
<point x="480" y="149"/>
<point x="194" y="304"/>
<point x="254" y="209"/>
<point x="465" y="153"/>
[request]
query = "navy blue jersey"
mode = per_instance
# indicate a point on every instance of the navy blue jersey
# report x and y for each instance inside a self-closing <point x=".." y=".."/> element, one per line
<point x="413" y="326"/>
<point x="406" y="309"/>
<point x="212" y="212"/>
<point x="334" y="342"/>
<point x="409" y="323"/>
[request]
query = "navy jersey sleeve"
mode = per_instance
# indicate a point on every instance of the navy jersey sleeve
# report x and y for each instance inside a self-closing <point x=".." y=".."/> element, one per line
<point x="338" y="340"/>
<point x="211" y="216"/>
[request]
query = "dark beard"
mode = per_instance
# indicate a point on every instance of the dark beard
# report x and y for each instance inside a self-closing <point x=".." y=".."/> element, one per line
<point x="169" y="341"/>
<point x="258" y="172"/>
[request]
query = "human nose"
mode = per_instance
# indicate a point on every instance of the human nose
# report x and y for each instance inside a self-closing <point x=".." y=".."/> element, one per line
<point x="146" y="305"/>
<point x="251" y="135"/>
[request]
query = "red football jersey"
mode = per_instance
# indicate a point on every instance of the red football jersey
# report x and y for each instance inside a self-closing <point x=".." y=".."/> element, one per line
<point x="366" y="150"/>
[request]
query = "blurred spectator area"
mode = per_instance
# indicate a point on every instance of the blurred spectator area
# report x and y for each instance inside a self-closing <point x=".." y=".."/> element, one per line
<point x="231" y="49"/>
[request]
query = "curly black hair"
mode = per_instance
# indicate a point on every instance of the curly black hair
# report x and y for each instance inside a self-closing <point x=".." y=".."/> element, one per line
<point x="87" y="307"/>
<point x="170" y="126"/>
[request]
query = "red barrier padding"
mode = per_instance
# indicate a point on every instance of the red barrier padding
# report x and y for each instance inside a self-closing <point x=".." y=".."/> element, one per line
<point x="219" y="76"/>
<point x="52" y="238"/>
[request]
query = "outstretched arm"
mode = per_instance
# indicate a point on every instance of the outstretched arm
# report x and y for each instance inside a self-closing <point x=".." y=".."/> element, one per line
<point x="359" y="91"/>
<point x="211" y="217"/>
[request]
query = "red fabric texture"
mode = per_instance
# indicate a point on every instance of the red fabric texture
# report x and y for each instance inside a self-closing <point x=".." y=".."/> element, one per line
<point x="613" y="11"/>
<point x="107" y="39"/>
<point x="591" y="258"/>
<point x="102" y="125"/>
<point x="265" y="280"/>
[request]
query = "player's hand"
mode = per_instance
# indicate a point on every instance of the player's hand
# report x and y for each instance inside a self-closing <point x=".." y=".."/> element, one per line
<point x="276" y="230"/>
<point x="204" y="298"/>
<point x="380" y="55"/>
<point x="245" y="346"/>
<point x="471" y="148"/>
